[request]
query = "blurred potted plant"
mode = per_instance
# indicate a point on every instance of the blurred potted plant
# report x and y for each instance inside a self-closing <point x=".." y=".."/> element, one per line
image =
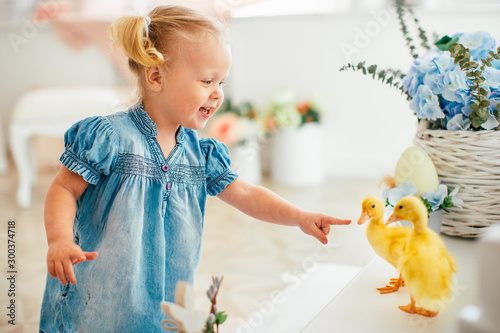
<point x="238" y="126"/>
<point x="454" y="90"/>
<point x="296" y="143"/>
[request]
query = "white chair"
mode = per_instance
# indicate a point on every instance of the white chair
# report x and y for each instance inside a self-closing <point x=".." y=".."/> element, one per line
<point x="50" y="112"/>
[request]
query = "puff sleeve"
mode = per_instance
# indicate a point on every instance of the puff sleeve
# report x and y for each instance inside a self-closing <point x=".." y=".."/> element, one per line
<point x="90" y="148"/>
<point x="218" y="173"/>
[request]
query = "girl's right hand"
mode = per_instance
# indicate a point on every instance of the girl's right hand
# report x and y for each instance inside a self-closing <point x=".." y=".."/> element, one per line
<point x="61" y="257"/>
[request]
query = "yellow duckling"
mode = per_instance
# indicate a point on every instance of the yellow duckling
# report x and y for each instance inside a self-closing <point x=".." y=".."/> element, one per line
<point x="426" y="265"/>
<point x="387" y="242"/>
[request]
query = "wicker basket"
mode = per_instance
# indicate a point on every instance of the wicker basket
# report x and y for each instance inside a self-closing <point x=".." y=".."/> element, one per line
<point x="471" y="161"/>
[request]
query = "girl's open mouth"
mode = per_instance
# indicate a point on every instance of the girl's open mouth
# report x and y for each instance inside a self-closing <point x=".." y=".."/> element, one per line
<point x="205" y="111"/>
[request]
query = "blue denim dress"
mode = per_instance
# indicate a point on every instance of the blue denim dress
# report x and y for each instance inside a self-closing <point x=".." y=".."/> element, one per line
<point x="143" y="213"/>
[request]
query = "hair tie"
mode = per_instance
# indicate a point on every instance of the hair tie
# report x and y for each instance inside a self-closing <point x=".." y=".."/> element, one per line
<point x="145" y="25"/>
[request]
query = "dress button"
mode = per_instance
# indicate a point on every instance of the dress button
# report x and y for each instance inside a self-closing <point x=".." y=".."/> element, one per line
<point x="165" y="167"/>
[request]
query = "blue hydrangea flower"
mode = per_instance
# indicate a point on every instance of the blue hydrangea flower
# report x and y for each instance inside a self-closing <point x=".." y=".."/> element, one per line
<point x="453" y="81"/>
<point x="412" y="81"/>
<point x="439" y="89"/>
<point x="492" y="76"/>
<point x="395" y="194"/>
<point x="452" y="108"/>
<point x="458" y="122"/>
<point x="435" y="82"/>
<point x="479" y="43"/>
<point x="426" y="104"/>
<point x="490" y="124"/>
<point x="436" y="198"/>
<point x="494" y="98"/>
<point x="419" y="70"/>
<point x="495" y="64"/>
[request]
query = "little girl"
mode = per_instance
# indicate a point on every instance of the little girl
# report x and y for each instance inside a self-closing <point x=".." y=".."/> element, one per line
<point x="128" y="204"/>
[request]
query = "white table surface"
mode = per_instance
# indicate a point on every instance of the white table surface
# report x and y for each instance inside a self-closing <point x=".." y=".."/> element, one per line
<point x="360" y="308"/>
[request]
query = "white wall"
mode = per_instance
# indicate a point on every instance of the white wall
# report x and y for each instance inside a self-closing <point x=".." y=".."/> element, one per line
<point x="366" y="125"/>
<point x="42" y="60"/>
<point x="35" y="57"/>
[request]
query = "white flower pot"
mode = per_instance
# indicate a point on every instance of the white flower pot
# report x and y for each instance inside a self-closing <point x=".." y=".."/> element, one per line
<point x="297" y="156"/>
<point x="246" y="161"/>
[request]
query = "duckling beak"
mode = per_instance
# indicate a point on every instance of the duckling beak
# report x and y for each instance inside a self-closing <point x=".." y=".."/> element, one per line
<point x="363" y="218"/>
<point x="392" y="218"/>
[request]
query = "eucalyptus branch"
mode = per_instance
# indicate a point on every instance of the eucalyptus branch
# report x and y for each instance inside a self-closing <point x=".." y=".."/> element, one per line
<point x="389" y="76"/>
<point x="474" y="72"/>
<point x="401" y="7"/>
<point x="421" y="32"/>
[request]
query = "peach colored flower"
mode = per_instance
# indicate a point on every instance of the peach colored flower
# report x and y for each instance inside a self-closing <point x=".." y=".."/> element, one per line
<point x="271" y="124"/>
<point x="302" y="107"/>
<point x="225" y="128"/>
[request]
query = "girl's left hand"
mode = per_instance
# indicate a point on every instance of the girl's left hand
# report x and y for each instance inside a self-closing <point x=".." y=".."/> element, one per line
<point x="318" y="225"/>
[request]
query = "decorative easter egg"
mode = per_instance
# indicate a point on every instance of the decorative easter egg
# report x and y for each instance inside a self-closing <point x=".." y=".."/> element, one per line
<point x="416" y="166"/>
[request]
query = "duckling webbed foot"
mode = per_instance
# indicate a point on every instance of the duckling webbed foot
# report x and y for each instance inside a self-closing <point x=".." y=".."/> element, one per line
<point x="395" y="284"/>
<point x="411" y="308"/>
<point x="394" y="280"/>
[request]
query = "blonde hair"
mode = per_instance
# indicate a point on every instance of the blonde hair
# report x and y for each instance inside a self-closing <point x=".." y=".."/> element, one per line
<point x="154" y="40"/>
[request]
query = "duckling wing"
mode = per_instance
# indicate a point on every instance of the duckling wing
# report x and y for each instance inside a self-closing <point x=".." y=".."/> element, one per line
<point x="397" y="238"/>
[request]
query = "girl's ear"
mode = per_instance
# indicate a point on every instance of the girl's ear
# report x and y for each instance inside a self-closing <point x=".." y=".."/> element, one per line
<point x="154" y="78"/>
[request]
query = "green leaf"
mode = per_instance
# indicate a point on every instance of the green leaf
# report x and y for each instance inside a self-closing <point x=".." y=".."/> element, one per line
<point x="484" y="103"/>
<point x="445" y="43"/>
<point x="455" y="48"/>
<point x="483" y="91"/>
<point x="447" y="202"/>
<point x="427" y="204"/>
<point x="476" y="123"/>
<point x="220" y="317"/>
<point x="372" y="69"/>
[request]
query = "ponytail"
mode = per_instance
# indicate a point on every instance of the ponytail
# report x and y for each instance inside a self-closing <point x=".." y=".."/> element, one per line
<point x="131" y="33"/>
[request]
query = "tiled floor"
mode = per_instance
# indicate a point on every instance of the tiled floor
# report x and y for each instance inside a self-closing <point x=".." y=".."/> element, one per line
<point x="257" y="259"/>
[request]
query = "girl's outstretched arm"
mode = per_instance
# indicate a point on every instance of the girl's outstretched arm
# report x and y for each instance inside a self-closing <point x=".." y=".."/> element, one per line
<point x="60" y="210"/>
<point x="267" y="206"/>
